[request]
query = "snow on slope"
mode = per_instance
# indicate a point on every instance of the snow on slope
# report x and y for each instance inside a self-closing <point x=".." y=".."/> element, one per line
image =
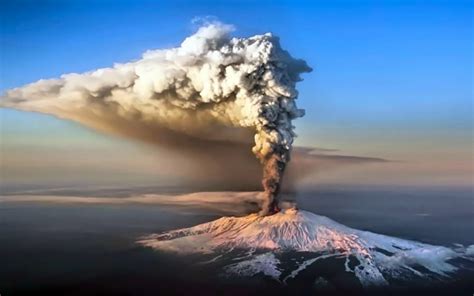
<point x="378" y="255"/>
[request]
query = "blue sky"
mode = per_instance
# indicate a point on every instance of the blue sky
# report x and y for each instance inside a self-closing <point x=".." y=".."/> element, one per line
<point x="391" y="78"/>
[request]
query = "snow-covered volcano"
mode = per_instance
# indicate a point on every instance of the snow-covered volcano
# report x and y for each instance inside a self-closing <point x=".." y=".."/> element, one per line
<point x="264" y="239"/>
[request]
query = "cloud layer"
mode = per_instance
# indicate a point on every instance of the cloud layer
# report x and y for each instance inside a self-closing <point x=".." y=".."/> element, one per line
<point x="222" y="202"/>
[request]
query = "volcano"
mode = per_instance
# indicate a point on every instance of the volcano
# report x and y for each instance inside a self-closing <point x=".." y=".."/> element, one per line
<point x="256" y="245"/>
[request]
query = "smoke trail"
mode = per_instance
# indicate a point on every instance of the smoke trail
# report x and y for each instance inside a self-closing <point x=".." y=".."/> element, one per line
<point x="212" y="88"/>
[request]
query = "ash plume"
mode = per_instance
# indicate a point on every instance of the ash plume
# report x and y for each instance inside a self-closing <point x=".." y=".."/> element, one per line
<point x="212" y="88"/>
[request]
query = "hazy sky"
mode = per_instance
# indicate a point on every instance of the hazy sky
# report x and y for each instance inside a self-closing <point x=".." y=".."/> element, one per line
<point x="392" y="79"/>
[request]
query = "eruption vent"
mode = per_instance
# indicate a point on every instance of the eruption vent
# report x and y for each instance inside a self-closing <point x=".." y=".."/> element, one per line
<point x="212" y="88"/>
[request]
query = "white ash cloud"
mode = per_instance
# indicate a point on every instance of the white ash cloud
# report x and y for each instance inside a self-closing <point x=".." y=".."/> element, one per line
<point x="211" y="88"/>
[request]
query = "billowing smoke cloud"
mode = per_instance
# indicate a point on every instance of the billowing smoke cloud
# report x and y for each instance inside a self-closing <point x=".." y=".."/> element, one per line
<point x="212" y="88"/>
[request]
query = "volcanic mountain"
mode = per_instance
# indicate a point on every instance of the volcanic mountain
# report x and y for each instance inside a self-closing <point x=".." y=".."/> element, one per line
<point x="263" y="239"/>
